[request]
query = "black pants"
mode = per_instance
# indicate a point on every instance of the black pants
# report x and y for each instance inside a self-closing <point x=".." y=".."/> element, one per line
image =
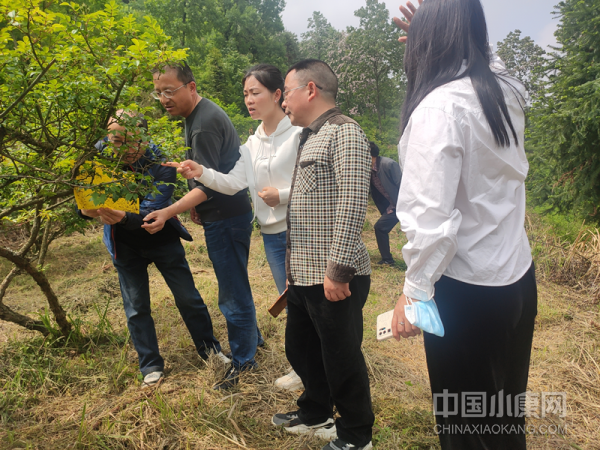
<point x="322" y="343"/>
<point x="485" y="353"/>
<point x="383" y="226"/>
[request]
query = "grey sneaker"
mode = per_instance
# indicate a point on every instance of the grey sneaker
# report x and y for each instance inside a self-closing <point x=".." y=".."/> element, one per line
<point x="293" y="424"/>
<point x="338" y="444"/>
<point x="152" y="379"/>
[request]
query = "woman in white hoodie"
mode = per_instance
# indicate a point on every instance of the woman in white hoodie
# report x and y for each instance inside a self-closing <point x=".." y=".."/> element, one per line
<point x="265" y="166"/>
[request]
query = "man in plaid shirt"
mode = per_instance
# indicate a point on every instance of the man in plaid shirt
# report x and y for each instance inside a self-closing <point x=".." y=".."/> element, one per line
<point x="327" y="263"/>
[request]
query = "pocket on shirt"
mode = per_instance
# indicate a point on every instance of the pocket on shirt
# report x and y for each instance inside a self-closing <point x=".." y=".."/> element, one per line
<point x="306" y="178"/>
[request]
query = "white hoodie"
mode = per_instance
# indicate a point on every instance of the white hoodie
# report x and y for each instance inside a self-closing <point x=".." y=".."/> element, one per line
<point x="264" y="161"/>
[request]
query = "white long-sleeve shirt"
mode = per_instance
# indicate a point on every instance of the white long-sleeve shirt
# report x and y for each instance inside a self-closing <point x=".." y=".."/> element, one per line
<point x="264" y="161"/>
<point x="462" y="198"/>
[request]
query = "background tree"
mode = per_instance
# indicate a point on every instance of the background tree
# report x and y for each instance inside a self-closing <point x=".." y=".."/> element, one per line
<point x="320" y="38"/>
<point x="565" y="121"/>
<point x="374" y="63"/>
<point x="224" y="38"/>
<point x="293" y="52"/>
<point x="368" y="61"/>
<point x="63" y="73"/>
<point x="524" y="59"/>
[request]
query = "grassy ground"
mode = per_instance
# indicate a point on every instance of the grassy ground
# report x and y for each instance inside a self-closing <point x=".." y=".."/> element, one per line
<point x="87" y="394"/>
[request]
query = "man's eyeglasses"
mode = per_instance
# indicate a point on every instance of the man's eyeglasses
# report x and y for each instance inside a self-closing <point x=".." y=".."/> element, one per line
<point x="119" y="140"/>
<point x="166" y="94"/>
<point x="285" y="93"/>
<point x="125" y="143"/>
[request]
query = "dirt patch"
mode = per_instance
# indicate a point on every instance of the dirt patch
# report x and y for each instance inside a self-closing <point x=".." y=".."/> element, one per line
<point x="13" y="235"/>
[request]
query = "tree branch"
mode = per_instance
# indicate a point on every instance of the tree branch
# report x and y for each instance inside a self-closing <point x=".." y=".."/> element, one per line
<point x="56" y="205"/>
<point x="41" y="280"/>
<point x="113" y="105"/>
<point x="9" y="315"/>
<point x="33" y="234"/>
<point x="26" y="91"/>
<point x="25" y="138"/>
<point x="4" y="285"/>
<point x="14" y="208"/>
<point x="45" y="243"/>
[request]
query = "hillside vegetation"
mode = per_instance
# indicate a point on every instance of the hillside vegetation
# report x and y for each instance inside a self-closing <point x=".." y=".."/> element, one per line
<point x="86" y="393"/>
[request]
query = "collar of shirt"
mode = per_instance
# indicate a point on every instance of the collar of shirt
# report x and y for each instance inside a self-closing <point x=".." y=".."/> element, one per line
<point x="316" y="125"/>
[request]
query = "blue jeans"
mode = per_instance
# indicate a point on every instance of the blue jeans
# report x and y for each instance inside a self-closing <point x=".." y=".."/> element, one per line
<point x="132" y="266"/>
<point x="275" y="247"/>
<point x="228" y="244"/>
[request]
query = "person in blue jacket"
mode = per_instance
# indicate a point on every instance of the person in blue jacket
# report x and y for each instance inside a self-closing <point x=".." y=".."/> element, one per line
<point x="386" y="177"/>
<point x="133" y="249"/>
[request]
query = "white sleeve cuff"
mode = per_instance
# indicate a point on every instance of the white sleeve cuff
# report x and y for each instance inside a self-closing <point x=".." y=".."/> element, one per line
<point x="206" y="178"/>
<point x="284" y="196"/>
<point x="415" y="293"/>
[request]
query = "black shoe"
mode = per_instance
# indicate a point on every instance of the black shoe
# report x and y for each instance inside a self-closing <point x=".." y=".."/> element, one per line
<point x="387" y="262"/>
<point x="338" y="444"/>
<point x="232" y="377"/>
<point x="292" y="423"/>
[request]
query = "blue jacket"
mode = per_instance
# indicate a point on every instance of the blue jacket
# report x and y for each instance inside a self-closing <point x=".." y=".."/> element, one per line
<point x="149" y="164"/>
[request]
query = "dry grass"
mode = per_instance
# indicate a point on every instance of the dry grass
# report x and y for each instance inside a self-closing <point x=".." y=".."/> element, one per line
<point x="87" y="395"/>
<point x="562" y="261"/>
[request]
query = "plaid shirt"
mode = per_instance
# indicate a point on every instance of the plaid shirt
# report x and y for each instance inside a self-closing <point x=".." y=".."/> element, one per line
<point x="328" y="202"/>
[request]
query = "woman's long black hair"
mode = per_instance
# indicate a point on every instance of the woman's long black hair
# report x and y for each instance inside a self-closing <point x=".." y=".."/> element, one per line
<point x="442" y="34"/>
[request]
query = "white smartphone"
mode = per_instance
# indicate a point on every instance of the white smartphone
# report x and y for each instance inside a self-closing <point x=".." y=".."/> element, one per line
<point x="384" y="325"/>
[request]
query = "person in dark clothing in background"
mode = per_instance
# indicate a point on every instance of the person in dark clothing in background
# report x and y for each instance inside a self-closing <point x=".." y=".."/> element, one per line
<point x="385" y="185"/>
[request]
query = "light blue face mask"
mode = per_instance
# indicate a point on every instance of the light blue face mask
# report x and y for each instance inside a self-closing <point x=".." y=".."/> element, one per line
<point x="425" y="315"/>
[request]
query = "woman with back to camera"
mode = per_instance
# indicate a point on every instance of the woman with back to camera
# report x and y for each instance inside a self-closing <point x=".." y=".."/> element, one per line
<point x="462" y="207"/>
<point x="265" y="166"/>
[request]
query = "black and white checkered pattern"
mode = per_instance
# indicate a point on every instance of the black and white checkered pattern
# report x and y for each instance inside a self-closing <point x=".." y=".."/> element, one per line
<point x="328" y="202"/>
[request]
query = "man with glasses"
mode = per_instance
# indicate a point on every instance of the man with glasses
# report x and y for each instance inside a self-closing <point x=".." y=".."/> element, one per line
<point x="328" y="267"/>
<point x="133" y="250"/>
<point x="227" y="220"/>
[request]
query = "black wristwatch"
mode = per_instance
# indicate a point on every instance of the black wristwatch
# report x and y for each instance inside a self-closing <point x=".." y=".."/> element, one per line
<point x="123" y="221"/>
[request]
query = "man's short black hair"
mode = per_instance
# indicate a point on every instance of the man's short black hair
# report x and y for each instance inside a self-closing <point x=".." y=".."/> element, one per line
<point x="374" y="149"/>
<point x="182" y="70"/>
<point x="319" y="73"/>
